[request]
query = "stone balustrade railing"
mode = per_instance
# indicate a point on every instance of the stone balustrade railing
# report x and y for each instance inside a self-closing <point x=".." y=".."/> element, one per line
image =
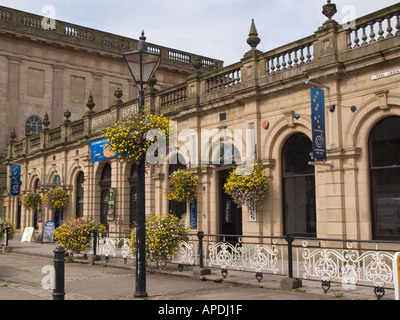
<point x="39" y="26"/>
<point x="374" y="27"/>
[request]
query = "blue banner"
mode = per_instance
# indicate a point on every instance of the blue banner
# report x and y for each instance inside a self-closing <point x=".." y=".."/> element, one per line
<point x="318" y="124"/>
<point x="15" y="180"/>
<point x="193" y="214"/>
<point x="100" y="150"/>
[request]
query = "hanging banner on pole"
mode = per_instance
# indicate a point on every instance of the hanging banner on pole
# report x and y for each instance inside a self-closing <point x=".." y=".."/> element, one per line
<point x="318" y="124"/>
<point x="15" y="180"/>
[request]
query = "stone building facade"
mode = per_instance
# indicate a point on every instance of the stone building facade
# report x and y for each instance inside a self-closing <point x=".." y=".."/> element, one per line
<point x="48" y="68"/>
<point x="258" y="108"/>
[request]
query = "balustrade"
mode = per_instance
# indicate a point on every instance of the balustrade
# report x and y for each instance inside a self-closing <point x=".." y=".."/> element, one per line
<point x="173" y="97"/>
<point x="224" y="80"/>
<point x="290" y="58"/>
<point x="376" y="29"/>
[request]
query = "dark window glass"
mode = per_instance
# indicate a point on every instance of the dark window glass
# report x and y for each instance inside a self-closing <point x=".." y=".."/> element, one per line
<point x="79" y="194"/>
<point x="299" y="211"/>
<point x="385" y="179"/>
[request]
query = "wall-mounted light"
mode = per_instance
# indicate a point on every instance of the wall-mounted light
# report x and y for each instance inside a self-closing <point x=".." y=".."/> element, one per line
<point x="295" y="115"/>
<point x="332" y="108"/>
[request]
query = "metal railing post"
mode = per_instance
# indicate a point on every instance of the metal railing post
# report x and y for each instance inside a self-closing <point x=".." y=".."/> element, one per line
<point x="59" y="277"/>
<point x="200" y="235"/>
<point x="6" y="234"/>
<point x="289" y="239"/>
<point x="95" y="242"/>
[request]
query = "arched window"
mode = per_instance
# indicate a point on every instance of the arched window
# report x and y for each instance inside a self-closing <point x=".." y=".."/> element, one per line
<point x="299" y="212"/>
<point x="384" y="147"/>
<point x="35" y="123"/>
<point x="79" y="194"/>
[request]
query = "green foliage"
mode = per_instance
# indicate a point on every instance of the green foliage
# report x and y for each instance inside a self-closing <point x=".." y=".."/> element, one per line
<point x="181" y="186"/>
<point x="246" y="185"/>
<point x="6" y="224"/>
<point x="31" y="200"/>
<point x="163" y="235"/>
<point x="75" y="235"/>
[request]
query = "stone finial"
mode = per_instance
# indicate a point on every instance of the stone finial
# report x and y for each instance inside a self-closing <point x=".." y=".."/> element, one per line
<point x="253" y="40"/>
<point x="90" y="104"/>
<point x="13" y="135"/>
<point x="197" y="63"/>
<point x="28" y="130"/>
<point x="329" y="10"/>
<point x="118" y="94"/>
<point x="67" y="115"/>
<point x="46" y="122"/>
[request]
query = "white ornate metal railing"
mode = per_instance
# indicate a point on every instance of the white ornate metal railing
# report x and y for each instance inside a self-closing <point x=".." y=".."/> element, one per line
<point x="349" y="262"/>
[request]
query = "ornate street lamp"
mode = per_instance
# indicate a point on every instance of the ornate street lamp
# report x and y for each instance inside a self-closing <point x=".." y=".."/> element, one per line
<point x="142" y="64"/>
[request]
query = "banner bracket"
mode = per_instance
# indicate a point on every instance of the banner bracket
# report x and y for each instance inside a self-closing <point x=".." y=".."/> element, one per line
<point x="321" y="163"/>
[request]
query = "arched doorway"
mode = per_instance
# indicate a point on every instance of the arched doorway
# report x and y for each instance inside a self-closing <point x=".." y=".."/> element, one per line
<point x="105" y="185"/>
<point x="298" y="186"/>
<point x="384" y="150"/>
<point x="79" y="195"/>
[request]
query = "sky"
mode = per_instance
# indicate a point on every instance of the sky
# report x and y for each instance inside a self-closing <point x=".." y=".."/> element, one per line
<point x="212" y="28"/>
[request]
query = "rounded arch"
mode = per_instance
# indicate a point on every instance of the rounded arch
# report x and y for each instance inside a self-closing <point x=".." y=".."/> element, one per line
<point x="366" y="117"/>
<point x="281" y="131"/>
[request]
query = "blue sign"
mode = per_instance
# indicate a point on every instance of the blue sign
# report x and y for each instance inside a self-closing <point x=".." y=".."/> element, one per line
<point x="100" y="150"/>
<point x="193" y="214"/>
<point x="318" y="124"/>
<point x="15" y="180"/>
<point x="48" y="231"/>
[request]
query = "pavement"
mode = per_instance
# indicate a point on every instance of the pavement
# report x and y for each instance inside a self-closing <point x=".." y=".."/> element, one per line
<point x="25" y="274"/>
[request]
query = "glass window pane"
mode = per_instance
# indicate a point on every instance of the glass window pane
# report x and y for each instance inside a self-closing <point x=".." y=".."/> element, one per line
<point x="387" y="202"/>
<point x="385" y="143"/>
<point x="298" y="187"/>
<point x="297" y="155"/>
<point x="299" y="194"/>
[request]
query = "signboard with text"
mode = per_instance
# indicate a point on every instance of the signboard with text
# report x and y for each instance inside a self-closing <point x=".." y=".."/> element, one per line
<point x="193" y="214"/>
<point x="48" y="231"/>
<point x="318" y="124"/>
<point x="111" y="205"/>
<point x="100" y="150"/>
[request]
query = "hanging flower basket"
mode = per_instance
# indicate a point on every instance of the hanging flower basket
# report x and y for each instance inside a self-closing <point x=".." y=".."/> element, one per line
<point x="4" y="224"/>
<point x="181" y="186"/>
<point x="247" y="185"/>
<point x="55" y="198"/>
<point x="163" y="236"/>
<point x="31" y="200"/>
<point x="76" y="235"/>
<point x="132" y="137"/>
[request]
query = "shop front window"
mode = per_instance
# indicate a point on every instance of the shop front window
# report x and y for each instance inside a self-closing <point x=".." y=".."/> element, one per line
<point x="299" y="211"/>
<point x="385" y="179"/>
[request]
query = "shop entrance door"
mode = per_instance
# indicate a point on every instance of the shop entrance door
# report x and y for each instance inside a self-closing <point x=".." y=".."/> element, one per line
<point x="230" y="214"/>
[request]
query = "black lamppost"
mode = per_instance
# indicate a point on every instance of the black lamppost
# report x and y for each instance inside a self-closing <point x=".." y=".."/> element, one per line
<point x="142" y="64"/>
